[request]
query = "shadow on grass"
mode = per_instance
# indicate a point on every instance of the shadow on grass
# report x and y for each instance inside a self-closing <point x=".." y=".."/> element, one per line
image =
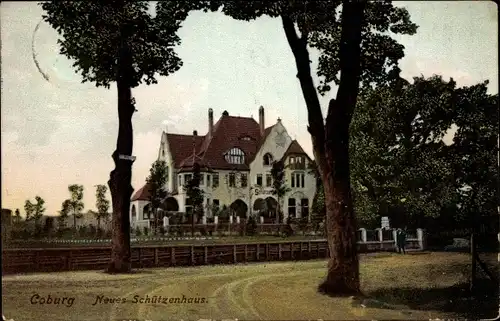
<point x="456" y="299"/>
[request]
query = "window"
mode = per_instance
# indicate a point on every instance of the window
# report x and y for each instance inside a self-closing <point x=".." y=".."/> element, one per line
<point x="304" y="207"/>
<point x="232" y="180"/>
<point x="187" y="178"/>
<point x="269" y="180"/>
<point x="134" y="213"/>
<point x="146" y="212"/>
<point x="292" y="160"/>
<point x="259" y="179"/>
<point x="208" y="180"/>
<point x="244" y="180"/>
<point x="297" y="180"/>
<point x="235" y="156"/>
<point x="268" y="159"/>
<point x="215" y="203"/>
<point x="291" y="208"/>
<point x="215" y="181"/>
<point x="163" y="152"/>
<point x="180" y="180"/>
<point x="247" y="138"/>
<point x="202" y="179"/>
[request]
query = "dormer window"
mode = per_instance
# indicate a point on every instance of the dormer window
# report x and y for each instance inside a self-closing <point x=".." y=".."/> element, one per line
<point x="246" y="138"/>
<point x="268" y="159"/>
<point x="235" y="156"/>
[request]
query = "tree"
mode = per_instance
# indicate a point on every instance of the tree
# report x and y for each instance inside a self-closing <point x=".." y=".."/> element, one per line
<point x="279" y="188"/>
<point x="29" y="210"/>
<point x="117" y="41"/>
<point x="17" y="216"/>
<point x="64" y="213"/>
<point x="156" y="182"/>
<point x="75" y="201"/>
<point x="35" y="211"/>
<point x="475" y="155"/>
<point x="194" y="195"/>
<point x="356" y="43"/>
<point x="400" y="166"/>
<point x="101" y="203"/>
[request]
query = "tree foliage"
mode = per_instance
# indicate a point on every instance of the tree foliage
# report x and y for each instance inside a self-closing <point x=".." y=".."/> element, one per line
<point x="34" y="211"/>
<point x="475" y="153"/>
<point x="194" y="193"/>
<point x="279" y="188"/>
<point x="101" y="203"/>
<point x="156" y="182"/>
<point x="17" y="216"/>
<point x="64" y="213"/>
<point x="76" y="201"/>
<point x="401" y="167"/>
<point x="92" y="34"/>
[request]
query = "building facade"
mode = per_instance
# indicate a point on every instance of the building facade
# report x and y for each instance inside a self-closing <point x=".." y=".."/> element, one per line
<point x="235" y="157"/>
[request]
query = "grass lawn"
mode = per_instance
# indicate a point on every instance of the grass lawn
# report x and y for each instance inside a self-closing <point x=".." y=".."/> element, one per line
<point x="215" y="240"/>
<point x="412" y="286"/>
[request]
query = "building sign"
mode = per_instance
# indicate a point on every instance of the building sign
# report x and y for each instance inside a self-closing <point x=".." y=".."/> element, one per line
<point x="260" y="191"/>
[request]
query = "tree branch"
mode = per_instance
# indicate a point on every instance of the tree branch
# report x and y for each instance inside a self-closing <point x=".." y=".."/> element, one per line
<point x="350" y="61"/>
<point x="315" y="116"/>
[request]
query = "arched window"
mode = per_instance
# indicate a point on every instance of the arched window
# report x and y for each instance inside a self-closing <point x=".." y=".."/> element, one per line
<point x="235" y="156"/>
<point x="134" y="213"/>
<point x="268" y="159"/>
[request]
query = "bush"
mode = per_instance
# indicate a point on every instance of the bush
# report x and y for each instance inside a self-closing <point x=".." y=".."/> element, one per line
<point x="162" y="230"/>
<point x="146" y="231"/>
<point x="303" y="223"/>
<point x="251" y="226"/>
<point x="138" y="231"/>
<point x="286" y="230"/>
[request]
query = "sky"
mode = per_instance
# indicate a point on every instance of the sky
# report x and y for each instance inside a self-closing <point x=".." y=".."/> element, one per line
<point x="60" y="132"/>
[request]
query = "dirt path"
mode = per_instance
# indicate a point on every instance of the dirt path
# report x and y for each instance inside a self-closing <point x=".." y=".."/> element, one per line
<point x="279" y="291"/>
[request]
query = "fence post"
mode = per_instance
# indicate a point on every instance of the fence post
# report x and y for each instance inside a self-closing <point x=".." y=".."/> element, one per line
<point x="420" y="237"/>
<point x="234" y="254"/>
<point x="395" y="237"/>
<point x="206" y="254"/>
<point x="267" y="251"/>
<point x="257" y="252"/>
<point x="380" y="237"/>
<point x="363" y="235"/>
<point x="156" y="256"/>
<point x="279" y="251"/>
<point x="192" y="254"/>
<point x="246" y="253"/>
<point x="139" y="256"/>
<point x="172" y="255"/>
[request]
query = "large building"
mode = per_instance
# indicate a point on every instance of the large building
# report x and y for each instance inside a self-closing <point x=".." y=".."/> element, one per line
<point x="236" y="157"/>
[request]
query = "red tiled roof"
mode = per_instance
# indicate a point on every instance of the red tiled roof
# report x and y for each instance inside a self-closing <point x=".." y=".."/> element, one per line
<point x="294" y="149"/>
<point x="228" y="132"/>
<point x="142" y="194"/>
<point x="181" y="146"/>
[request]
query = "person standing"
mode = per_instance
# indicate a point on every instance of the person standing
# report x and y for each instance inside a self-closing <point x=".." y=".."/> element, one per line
<point x="401" y="240"/>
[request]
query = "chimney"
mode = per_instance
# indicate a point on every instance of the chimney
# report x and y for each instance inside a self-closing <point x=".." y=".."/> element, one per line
<point x="261" y="120"/>
<point x="195" y="133"/>
<point x="210" y="121"/>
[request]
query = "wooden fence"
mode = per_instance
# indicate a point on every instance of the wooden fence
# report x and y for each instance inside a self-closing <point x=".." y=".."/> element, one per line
<point x="96" y="258"/>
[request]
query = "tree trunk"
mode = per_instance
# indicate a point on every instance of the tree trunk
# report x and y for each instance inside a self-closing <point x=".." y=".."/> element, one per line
<point x="331" y="144"/>
<point x="120" y="178"/>
<point x="340" y="224"/>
